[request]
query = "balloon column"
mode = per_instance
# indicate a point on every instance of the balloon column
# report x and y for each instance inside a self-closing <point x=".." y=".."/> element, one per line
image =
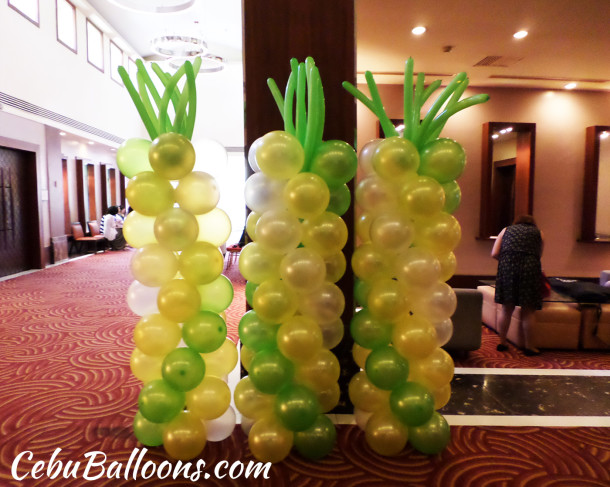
<point x="297" y="195"/>
<point x="182" y="352"/>
<point x="407" y="233"/>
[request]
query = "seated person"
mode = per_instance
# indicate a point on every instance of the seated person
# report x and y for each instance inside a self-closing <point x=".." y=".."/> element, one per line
<point x="111" y="231"/>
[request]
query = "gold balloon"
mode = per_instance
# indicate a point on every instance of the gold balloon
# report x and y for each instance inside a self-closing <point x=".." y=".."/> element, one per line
<point x="245" y="357"/>
<point x="214" y="227"/>
<point x="363" y="227"/>
<point x="149" y="193"/>
<point x="171" y="155"/>
<point x="145" y="367"/>
<point x="258" y="264"/>
<point x="369" y="263"/>
<point x="184" y="437"/>
<point x="201" y="263"/>
<point x="274" y="301"/>
<point x="210" y="399"/>
<point x="423" y="197"/>
<point x="250" y="401"/>
<point x="251" y="222"/>
<point x="332" y="333"/>
<point x="387" y="299"/>
<point x="176" y="229"/>
<point x="178" y="300"/>
<point x="154" y="265"/>
<point x="303" y="269"/>
<point x="325" y="233"/>
<point x="139" y="230"/>
<point x="385" y="434"/>
<point x="335" y="266"/>
<point x="417" y="267"/>
<point x="434" y="371"/>
<point x="364" y="395"/>
<point x="395" y="157"/>
<point x="391" y="232"/>
<point x="322" y="370"/>
<point x="156" y="335"/>
<point x="278" y="230"/>
<point x="441" y="396"/>
<point x="440" y="233"/>
<point x="299" y="338"/>
<point x="328" y="397"/>
<point x="448" y="265"/>
<point x="269" y="441"/>
<point x="360" y="355"/>
<point x="197" y="192"/>
<point x="280" y="155"/>
<point x="414" y="337"/>
<point x="324" y="304"/>
<point x="306" y="195"/>
<point x="221" y="361"/>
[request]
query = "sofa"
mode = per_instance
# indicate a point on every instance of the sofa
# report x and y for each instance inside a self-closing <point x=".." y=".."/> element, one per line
<point x="466" y="322"/>
<point x="558" y="324"/>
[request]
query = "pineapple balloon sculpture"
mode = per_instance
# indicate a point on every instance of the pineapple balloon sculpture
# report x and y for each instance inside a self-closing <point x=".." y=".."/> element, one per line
<point x="182" y="352"/>
<point x="407" y="235"/>
<point x="297" y="195"/>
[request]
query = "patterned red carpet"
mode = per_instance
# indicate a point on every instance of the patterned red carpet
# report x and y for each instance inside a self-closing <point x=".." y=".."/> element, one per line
<point x="65" y="383"/>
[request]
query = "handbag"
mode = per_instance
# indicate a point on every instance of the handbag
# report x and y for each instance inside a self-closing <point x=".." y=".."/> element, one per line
<point x="545" y="286"/>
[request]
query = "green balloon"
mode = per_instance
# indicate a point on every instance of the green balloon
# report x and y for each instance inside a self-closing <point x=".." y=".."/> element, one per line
<point x="183" y="369"/>
<point x="318" y="440"/>
<point x="297" y="407"/>
<point x="369" y="331"/>
<point x="412" y="403"/>
<point x="132" y="157"/>
<point x="443" y="160"/>
<point x="217" y="295"/>
<point x="147" y="432"/>
<point x="431" y="437"/>
<point x="453" y="196"/>
<point x="386" y="368"/>
<point x="257" y="334"/>
<point x="250" y="288"/>
<point x="149" y="194"/>
<point x="205" y="332"/>
<point x="270" y="371"/>
<point x="361" y="291"/>
<point x="340" y="199"/>
<point x="335" y="161"/>
<point x="159" y="402"/>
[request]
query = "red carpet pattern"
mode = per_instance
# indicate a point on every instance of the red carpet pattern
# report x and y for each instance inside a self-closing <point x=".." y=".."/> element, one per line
<point x="65" y="383"/>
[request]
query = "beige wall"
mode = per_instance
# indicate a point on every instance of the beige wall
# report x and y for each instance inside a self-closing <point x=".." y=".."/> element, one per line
<point x="561" y="118"/>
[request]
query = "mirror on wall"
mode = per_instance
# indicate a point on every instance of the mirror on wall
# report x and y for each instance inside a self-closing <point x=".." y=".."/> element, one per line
<point x="507" y="174"/>
<point x="596" y="191"/>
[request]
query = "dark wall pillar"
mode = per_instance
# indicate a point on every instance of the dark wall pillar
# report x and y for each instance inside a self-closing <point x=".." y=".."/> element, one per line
<point x="274" y="32"/>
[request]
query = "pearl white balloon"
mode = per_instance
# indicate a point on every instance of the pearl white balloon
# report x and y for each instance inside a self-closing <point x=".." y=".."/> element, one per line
<point x="444" y="331"/>
<point x="220" y="428"/>
<point x="262" y="193"/>
<point x="210" y="155"/>
<point x="252" y="155"/>
<point x="141" y="299"/>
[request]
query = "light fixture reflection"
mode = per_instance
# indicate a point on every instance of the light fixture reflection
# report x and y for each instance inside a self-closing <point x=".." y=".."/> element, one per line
<point x="570" y="86"/>
<point x="179" y="46"/>
<point x="520" y="35"/>
<point x="419" y="30"/>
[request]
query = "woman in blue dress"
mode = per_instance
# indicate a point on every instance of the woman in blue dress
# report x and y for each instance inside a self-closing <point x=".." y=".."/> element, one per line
<point x="518" y="249"/>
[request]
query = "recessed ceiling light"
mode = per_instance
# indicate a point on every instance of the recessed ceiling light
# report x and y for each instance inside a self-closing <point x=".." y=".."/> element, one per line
<point x="495" y="136"/>
<point x="91" y="142"/>
<point x="604" y="135"/>
<point x="419" y="30"/>
<point x="62" y="133"/>
<point x="520" y="35"/>
<point x="570" y="86"/>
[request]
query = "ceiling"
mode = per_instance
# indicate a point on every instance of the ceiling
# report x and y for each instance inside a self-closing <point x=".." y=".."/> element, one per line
<point x="568" y="39"/>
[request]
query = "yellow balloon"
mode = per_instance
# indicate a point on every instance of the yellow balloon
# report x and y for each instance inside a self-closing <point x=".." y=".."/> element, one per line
<point x="395" y="157"/>
<point x="184" y="437"/>
<point x="414" y="337"/>
<point x="448" y="264"/>
<point x="210" y="399"/>
<point x="214" y="227"/>
<point x="306" y="195"/>
<point x="251" y="222"/>
<point x="176" y="229"/>
<point x="278" y="230"/>
<point x="280" y="155"/>
<point x="145" y="367"/>
<point x="154" y="265"/>
<point x="221" y="361"/>
<point x="197" y="192"/>
<point x="434" y="371"/>
<point x="328" y="397"/>
<point x="201" y="263"/>
<point x="387" y="299"/>
<point x="178" y="300"/>
<point x="391" y="232"/>
<point x="423" y="197"/>
<point x="303" y="269"/>
<point x="321" y="371"/>
<point x="171" y="155"/>
<point x="269" y="441"/>
<point x="299" y="338"/>
<point x="245" y="356"/>
<point x="139" y="230"/>
<point x="325" y="233"/>
<point x="364" y="395"/>
<point x="257" y="263"/>
<point x="149" y="193"/>
<point x="417" y="267"/>
<point x="360" y="355"/>
<point x="363" y="226"/>
<point x="251" y="402"/>
<point x="335" y="266"/>
<point x="385" y="433"/>
<point x="156" y="335"/>
<point x="274" y="301"/>
<point x="440" y="233"/>
<point x="370" y="263"/>
<point x="441" y="396"/>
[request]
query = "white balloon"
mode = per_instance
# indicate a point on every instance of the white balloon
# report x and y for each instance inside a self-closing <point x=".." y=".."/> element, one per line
<point x="220" y="428"/>
<point x="209" y="155"/>
<point x="263" y="193"/>
<point x="252" y="154"/>
<point x="141" y="299"/>
<point x="362" y="417"/>
<point x="246" y="424"/>
<point x="444" y="331"/>
<point x="364" y="159"/>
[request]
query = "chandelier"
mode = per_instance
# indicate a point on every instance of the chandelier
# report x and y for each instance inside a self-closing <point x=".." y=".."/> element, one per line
<point x="154" y="6"/>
